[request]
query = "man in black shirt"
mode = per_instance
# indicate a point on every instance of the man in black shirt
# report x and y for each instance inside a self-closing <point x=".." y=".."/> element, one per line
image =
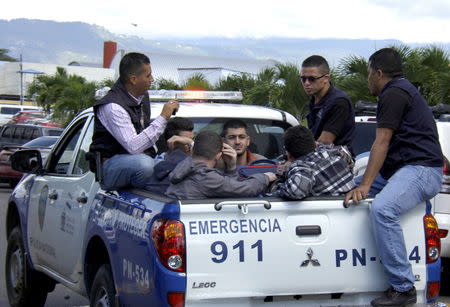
<point x="331" y="117"/>
<point x="404" y="169"/>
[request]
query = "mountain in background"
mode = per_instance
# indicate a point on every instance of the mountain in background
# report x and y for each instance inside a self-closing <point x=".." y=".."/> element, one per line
<point x="60" y="43"/>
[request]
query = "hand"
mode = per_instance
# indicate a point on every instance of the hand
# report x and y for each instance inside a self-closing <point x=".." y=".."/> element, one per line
<point x="179" y="139"/>
<point x="357" y="194"/>
<point x="169" y="108"/>
<point x="229" y="156"/>
<point x="271" y="176"/>
<point x="283" y="167"/>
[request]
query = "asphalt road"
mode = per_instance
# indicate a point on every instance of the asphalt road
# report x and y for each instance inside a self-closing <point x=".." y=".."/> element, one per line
<point x="62" y="296"/>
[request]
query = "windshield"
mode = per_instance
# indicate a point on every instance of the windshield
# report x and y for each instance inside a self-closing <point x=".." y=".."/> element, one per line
<point x="41" y="142"/>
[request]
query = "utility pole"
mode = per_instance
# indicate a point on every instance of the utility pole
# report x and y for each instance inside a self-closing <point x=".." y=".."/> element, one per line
<point x="21" y="81"/>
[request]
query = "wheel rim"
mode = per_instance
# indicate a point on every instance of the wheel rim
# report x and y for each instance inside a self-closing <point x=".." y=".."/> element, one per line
<point x="16" y="270"/>
<point x="102" y="298"/>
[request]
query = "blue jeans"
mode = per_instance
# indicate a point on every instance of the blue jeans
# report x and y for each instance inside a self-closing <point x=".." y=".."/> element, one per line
<point x="408" y="187"/>
<point x="126" y="170"/>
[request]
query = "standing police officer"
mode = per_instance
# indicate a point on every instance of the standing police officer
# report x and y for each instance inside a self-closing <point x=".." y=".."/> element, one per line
<point x="122" y="129"/>
<point x="331" y="117"/>
<point x="405" y="168"/>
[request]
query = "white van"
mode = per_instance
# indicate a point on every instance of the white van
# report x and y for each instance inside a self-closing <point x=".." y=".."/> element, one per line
<point x="7" y="111"/>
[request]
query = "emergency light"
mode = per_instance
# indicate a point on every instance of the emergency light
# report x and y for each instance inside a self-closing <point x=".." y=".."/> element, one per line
<point x="195" y="95"/>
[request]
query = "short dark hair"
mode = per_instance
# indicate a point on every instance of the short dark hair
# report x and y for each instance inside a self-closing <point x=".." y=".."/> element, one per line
<point x="207" y="144"/>
<point x="177" y="124"/>
<point x="317" y="61"/>
<point x="387" y="60"/>
<point x="131" y="65"/>
<point x="233" y="124"/>
<point x="299" y="141"/>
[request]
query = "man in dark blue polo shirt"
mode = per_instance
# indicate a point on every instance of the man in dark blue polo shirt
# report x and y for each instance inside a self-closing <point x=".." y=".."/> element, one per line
<point x="404" y="169"/>
<point x="331" y="117"/>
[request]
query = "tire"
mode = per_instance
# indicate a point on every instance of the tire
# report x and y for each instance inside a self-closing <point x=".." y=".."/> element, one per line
<point x="445" y="277"/>
<point x="25" y="286"/>
<point x="103" y="291"/>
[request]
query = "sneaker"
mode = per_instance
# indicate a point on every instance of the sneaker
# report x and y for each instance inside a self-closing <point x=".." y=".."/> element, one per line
<point x="393" y="298"/>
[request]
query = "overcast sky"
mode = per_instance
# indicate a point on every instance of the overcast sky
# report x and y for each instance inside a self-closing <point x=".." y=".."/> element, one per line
<point x="424" y="21"/>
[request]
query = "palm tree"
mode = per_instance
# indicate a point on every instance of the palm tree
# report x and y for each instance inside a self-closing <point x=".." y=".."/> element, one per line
<point x="197" y="82"/>
<point x="65" y="95"/>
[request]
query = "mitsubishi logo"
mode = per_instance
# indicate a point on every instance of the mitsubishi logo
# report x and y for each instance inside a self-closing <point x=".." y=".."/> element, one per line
<point x="310" y="254"/>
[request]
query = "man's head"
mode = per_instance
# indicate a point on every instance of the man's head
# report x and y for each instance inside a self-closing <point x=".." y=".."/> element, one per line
<point x="208" y="146"/>
<point x="179" y="126"/>
<point x="136" y="72"/>
<point x="234" y="133"/>
<point x="299" y="141"/>
<point x="384" y="64"/>
<point x="315" y="74"/>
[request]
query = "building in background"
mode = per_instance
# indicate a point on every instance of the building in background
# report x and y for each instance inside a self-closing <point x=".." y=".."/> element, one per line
<point x="172" y="66"/>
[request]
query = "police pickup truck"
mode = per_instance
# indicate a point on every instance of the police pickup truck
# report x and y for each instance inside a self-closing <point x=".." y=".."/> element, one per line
<point x="136" y="248"/>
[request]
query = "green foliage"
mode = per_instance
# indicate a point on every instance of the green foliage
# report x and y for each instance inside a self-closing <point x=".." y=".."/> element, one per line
<point x="428" y="68"/>
<point x="197" y="82"/>
<point x="241" y="82"/>
<point x="5" y="57"/>
<point x="66" y="95"/>
<point x="167" y="84"/>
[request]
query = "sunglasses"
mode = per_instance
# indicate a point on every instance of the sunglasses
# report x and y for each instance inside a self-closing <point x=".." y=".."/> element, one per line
<point x="311" y="78"/>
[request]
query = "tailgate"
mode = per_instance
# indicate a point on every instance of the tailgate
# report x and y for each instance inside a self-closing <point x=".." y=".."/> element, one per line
<point x="292" y="248"/>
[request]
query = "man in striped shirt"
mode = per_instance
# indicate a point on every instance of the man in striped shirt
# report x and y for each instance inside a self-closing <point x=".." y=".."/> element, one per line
<point x="122" y="128"/>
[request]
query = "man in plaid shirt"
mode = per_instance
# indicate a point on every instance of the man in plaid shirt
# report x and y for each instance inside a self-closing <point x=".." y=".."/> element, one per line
<point x="313" y="170"/>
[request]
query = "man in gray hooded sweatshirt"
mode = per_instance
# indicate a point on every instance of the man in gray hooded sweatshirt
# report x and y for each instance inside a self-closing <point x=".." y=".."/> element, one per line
<point x="196" y="177"/>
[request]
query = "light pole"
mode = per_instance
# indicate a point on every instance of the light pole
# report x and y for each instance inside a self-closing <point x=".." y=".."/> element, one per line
<point x="22" y="72"/>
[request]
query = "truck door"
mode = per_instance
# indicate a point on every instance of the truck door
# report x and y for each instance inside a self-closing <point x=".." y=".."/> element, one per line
<point x="286" y="249"/>
<point x="61" y="195"/>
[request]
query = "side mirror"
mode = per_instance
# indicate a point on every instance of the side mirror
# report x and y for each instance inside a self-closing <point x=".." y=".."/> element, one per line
<point x="27" y="161"/>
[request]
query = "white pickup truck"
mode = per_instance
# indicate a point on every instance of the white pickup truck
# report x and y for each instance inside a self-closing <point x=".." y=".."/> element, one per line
<point x="137" y="248"/>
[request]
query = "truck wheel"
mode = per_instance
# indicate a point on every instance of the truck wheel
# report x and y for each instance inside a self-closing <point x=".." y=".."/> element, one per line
<point x="445" y="277"/>
<point x="23" y="284"/>
<point x="103" y="290"/>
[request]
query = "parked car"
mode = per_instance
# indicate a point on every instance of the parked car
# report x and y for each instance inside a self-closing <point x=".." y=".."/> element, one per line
<point x="33" y="117"/>
<point x="44" y="144"/>
<point x="12" y="134"/>
<point x="7" y="111"/>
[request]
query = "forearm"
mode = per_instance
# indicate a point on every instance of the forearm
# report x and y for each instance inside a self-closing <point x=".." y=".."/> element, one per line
<point x="376" y="159"/>
<point x="136" y="143"/>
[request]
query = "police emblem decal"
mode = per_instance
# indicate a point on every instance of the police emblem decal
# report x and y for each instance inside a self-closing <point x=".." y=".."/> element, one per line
<point x="310" y="259"/>
<point x="42" y="206"/>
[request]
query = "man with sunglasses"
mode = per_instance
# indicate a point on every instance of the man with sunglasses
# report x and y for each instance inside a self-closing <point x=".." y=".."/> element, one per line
<point x="331" y="117"/>
<point x="122" y="129"/>
<point x="235" y="134"/>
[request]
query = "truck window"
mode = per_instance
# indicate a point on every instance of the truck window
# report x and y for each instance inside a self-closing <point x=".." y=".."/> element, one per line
<point x="64" y="154"/>
<point x="81" y="164"/>
<point x="266" y="135"/>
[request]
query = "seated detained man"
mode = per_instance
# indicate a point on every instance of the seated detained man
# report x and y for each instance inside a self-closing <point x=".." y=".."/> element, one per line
<point x="311" y="170"/>
<point x="235" y="134"/>
<point x="179" y="137"/>
<point x="197" y="177"/>
<point x="122" y="128"/>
